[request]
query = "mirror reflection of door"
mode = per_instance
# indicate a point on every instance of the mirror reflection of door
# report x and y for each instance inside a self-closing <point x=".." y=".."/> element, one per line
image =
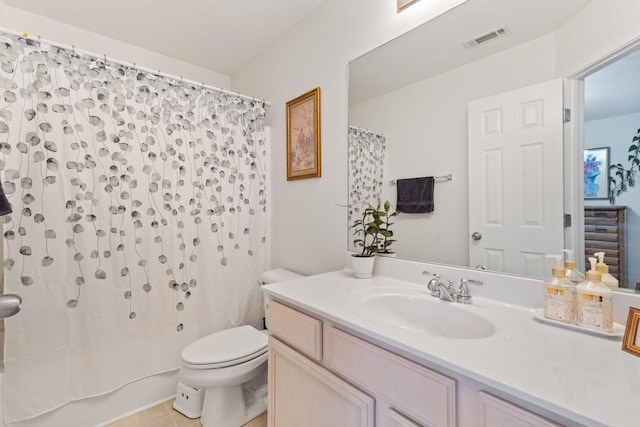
<point x="612" y="120"/>
<point x="515" y="179"/>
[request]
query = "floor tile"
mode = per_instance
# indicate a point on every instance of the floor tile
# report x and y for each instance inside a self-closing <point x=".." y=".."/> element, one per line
<point x="163" y="415"/>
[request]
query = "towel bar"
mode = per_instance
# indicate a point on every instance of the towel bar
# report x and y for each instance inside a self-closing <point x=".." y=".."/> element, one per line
<point x="442" y="178"/>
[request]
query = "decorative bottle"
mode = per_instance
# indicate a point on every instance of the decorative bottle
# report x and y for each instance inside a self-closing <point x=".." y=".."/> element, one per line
<point x="594" y="302"/>
<point x="559" y="295"/>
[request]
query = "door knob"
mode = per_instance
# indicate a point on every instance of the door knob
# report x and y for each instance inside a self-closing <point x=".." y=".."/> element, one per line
<point x="476" y="236"/>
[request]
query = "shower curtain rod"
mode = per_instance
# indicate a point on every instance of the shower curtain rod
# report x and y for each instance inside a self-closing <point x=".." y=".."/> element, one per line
<point x="366" y="130"/>
<point x="132" y="65"/>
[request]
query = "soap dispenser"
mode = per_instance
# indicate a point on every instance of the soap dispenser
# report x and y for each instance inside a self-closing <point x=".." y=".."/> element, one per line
<point x="594" y="302"/>
<point x="570" y="264"/>
<point x="603" y="268"/>
<point x="559" y="294"/>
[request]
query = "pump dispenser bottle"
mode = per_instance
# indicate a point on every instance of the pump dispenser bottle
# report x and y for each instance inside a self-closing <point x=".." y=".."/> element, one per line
<point x="571" y="266"/>
<point x="603" y="268"/>
<point x="594" y="302"/>
<point x="559" y="294"/>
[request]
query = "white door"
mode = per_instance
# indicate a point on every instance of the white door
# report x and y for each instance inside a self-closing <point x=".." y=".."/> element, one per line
<point x="516" y="179"/>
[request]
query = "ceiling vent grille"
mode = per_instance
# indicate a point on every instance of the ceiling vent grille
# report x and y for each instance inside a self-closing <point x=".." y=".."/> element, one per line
<point x="492" y="35"/>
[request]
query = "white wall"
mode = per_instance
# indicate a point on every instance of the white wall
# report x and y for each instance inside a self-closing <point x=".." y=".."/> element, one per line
<point x="426" y="129"/>
<point x="309" y="229"/>
<point x="617" y="133"/>
<point x="599" y="29"/>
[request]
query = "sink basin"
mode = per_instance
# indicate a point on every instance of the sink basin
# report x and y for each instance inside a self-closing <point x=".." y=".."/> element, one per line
<point x="423" y="313"/>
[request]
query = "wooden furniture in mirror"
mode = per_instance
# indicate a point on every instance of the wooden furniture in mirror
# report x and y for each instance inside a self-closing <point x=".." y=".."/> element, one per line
<point x="604" y="231"/>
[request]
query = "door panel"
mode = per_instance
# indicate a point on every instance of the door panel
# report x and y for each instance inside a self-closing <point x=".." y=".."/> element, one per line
<point x="516" y="179"/>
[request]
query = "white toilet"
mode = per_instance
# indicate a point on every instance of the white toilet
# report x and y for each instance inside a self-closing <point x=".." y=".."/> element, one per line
<point x="224" y="363"/>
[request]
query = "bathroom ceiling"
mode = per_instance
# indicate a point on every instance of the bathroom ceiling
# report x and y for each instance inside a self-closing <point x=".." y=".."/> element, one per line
<point x="614" y="90"/>
<point x="221" y="35"/>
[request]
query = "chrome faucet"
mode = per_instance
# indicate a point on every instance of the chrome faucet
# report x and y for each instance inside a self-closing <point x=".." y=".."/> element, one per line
<point x="447" y="293"/>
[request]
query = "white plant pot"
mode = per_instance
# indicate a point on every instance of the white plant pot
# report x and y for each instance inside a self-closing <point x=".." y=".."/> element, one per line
<point x="362" y="266"/>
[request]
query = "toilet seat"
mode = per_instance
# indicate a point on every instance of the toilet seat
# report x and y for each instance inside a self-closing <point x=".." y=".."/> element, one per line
<point x="225" y="348"/>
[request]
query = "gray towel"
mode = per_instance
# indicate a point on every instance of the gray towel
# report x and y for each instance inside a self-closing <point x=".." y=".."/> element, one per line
<point x="415" y="195"/>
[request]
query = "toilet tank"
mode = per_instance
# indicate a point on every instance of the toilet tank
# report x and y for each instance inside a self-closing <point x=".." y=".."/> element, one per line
<point x="273" y="276"/>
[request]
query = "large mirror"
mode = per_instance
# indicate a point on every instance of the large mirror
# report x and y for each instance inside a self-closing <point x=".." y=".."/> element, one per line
<point x="408" y="117"/>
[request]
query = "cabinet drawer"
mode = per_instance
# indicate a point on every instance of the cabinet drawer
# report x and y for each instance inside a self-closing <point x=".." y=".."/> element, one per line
<point x="599" y="214"/>
<point x="297" y="329"/>
<point x="424" y="395"/>
<point x="499" y="413"/>
<point x="598" y="228"/>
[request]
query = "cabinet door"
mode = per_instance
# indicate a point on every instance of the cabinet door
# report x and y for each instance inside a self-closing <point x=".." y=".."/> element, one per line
<point x="499" y="413"/>
<point x="302" y="393"/>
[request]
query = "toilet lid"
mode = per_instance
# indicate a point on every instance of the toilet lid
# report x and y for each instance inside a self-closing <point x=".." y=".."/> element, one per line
<point x="227" y="347"/>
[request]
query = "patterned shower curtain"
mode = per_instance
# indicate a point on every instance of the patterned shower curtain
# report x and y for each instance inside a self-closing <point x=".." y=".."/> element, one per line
<point x="366" y="171"/>
<point x="138" y="220"/>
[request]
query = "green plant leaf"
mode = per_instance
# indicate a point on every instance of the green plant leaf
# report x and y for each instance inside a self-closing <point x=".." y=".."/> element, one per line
<point x="633" y="147"/>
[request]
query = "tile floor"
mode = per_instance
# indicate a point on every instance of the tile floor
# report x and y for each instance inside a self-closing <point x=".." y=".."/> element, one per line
<point x="163" y="415"/>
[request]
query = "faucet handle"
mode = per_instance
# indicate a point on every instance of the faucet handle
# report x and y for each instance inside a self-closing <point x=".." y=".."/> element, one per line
<point x="464" y="296"/>
<point x="451" y="288"/>
<point x="434" y="285"/>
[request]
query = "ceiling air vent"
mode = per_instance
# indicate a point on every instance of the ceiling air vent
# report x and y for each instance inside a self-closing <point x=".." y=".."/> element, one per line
<point x="503" y="31"/>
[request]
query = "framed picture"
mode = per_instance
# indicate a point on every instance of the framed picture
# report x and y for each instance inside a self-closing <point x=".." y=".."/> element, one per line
<point x="596" y="173"/>
<point x="303" y="136"/>
<point x="631" y="341"/>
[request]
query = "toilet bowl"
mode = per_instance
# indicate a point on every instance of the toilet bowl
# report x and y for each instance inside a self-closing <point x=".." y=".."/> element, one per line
<point x="231" y="366"/>
<point x="221" y="363"/>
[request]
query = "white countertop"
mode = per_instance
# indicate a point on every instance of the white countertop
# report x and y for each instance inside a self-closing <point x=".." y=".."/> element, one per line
<point x="585" y="378"/>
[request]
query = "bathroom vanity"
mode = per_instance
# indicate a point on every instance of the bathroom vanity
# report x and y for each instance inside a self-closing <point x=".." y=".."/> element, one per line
<point x="384" y="352"/>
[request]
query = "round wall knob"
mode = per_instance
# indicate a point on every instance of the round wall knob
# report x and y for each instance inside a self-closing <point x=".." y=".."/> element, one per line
<point x="476" y="236"/>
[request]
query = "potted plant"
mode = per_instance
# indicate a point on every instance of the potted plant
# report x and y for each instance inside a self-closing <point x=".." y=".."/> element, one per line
<point x="367" y="232"/>
<point x="622" y="178"/>
<point x="386" y="239"/>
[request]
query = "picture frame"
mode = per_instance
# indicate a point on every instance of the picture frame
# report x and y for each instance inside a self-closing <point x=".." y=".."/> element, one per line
<point x="631" y="340"/>
<point x="596" y="173"/>
<point x="303" y="136"/>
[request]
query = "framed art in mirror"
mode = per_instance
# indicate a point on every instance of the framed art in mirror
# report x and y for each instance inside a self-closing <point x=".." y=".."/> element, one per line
<point x="631" y="341"/>
<point x="596" y="173"/>
<point x="303" y="136"/>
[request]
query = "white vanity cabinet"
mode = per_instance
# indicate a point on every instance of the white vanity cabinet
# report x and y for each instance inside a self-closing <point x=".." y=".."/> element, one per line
<point x="321" y="375"/>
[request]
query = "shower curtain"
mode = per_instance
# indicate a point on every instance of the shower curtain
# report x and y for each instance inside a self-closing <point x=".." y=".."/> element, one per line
<point x="366" y="171"/>
<point x="138" y="220"/>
